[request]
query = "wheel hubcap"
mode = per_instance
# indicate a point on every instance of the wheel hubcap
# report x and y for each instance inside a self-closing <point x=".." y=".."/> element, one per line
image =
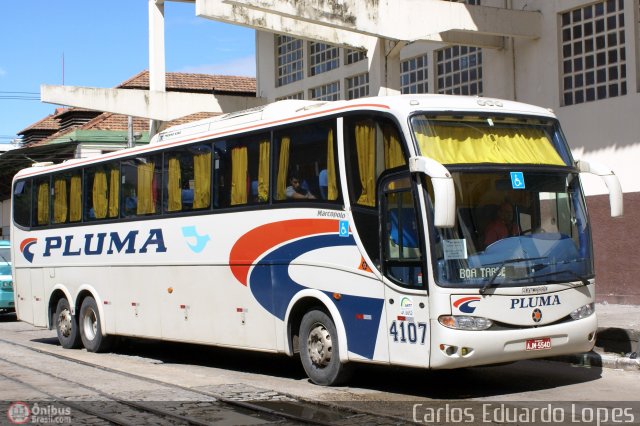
<point x="64" y="323"/>
<point x="90" y="324"/>
<point x="319" y="344"/>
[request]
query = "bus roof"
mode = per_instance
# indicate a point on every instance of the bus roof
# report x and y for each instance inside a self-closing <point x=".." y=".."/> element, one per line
<point x="289" y="111"/>
<point x="293" y="110"/>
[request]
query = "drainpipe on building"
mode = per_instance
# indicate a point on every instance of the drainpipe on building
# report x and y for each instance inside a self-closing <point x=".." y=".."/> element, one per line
<point x="509" y="5"/>
<point x="131" y="142"/>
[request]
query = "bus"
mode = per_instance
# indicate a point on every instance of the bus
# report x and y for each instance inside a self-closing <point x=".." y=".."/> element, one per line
<point x="346" y="232"/>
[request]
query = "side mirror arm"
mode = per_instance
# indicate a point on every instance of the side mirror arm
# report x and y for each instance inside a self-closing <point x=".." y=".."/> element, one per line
<point x="610" y="179"/>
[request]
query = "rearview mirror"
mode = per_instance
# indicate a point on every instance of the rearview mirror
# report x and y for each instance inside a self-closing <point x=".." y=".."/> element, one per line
<point x="444" y="205"/>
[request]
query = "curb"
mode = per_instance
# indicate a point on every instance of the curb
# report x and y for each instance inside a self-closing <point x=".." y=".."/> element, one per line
<point x="605" y="360"/>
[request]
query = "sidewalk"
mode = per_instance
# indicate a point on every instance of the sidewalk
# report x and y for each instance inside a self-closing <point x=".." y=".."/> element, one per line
<point x="617" y="341"/>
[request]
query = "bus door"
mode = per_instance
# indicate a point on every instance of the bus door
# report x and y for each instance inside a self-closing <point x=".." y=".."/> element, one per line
<point x="406" y="299"/>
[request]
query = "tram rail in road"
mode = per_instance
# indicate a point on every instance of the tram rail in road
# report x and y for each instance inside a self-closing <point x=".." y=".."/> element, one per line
<point x="204" y="408"/>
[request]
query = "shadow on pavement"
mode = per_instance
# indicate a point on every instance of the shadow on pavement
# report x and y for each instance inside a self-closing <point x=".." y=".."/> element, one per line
<point x="477" y="382"/>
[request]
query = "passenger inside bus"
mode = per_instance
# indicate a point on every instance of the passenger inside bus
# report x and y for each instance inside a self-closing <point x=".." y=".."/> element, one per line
<point x="296" y="191"/>
<point x="502" y="226"/>
<point x="187" y="196"/>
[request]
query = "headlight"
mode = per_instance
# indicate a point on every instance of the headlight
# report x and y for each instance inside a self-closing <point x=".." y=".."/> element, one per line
<point x="6" y="284"/>
<point x="463" y="322"/>
<point x="583" y="311"/>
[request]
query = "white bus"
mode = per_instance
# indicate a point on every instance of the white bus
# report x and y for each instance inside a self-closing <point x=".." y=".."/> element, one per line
<point x="349" y="231"/>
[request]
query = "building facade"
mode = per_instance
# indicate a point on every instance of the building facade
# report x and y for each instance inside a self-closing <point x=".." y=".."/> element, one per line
<point x="585" y="66"/>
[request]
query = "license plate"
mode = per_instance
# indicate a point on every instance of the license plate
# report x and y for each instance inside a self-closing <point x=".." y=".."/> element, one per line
<point x="538" y="344"/>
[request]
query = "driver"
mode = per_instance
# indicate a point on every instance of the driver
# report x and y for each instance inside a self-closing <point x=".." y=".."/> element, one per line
<point x="502" y="226"/>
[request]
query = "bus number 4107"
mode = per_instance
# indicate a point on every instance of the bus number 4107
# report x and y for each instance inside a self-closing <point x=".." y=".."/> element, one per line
<point x="408" y="331"/>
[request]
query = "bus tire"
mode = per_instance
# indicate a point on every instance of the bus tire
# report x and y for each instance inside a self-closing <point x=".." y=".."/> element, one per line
<point x="320" y="350"/>
<point x="66" y="326"/>
<point x="90" y="329"/>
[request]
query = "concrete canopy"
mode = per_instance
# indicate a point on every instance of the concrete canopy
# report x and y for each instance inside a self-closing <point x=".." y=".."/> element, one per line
<point x="155" y="105"/>
<point x="430" y="20"/>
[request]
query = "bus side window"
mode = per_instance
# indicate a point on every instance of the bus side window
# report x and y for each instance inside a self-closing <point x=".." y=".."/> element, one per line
<point x="242" y="171"/>
<point x="308" y="153"/>
<point x="102" y="192"/>
<point x="374" y="146"/>
<point x="22" y="203"/>
<point x="401" y="237"/>
<point x="41" y="202"/>
<point x="67" y="197"/>
<point x="188" y="179"/>
<point x="141" y="177"/>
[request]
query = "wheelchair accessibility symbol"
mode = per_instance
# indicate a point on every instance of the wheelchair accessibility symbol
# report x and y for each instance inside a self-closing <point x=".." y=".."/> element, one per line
<point x="517" y="180"/>
<point x="344" y="228"/>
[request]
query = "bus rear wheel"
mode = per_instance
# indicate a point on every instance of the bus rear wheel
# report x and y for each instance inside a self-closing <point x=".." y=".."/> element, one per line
<point x="90" y="329"/>
<point x="320" y="350"/>
<point x="66" y="326"/>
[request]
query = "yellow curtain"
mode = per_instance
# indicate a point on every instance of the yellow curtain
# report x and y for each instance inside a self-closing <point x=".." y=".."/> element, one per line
<point x="60" y="206"/>
<point x="202" y="172"/>
<point x="75" y="199"/>
<point x="146" y="202"/>
<point x="100" y="194"/>
<point x="263" y="172"/>
<point x="464" y="145"/>
<point x="283" y="168"/>
<point x="332" y="189"/>
<point x="365" y="144"/>
<point x="43" y="204"/>
<point x="114" y="192"/>
<point x="393" y="156"/>
<point x="239" y="175"/>
<point x="174" y="188"/>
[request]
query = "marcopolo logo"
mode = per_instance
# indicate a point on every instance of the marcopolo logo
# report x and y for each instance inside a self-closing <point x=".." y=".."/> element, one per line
<point x="96" y="244"/>
<point x="466" y="304"/>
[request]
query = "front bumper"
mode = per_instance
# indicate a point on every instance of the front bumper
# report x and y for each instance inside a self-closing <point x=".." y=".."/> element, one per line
<point x="458" y="348"/>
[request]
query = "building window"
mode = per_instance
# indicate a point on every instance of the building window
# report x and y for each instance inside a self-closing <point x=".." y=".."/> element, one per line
<point x="322" y="58"/>
<point x="328" y="92"/>
<point x="413" y="75"/>
<point x="299" y="95"/>
<point x="290" y="59"/>
<point x="357" y="86"/>
<point x="594" y="60"/>
<point x="352" y="56"/>
<point x="459" y="70"/>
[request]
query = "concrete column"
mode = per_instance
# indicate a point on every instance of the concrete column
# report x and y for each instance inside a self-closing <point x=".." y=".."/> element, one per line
<point x="384" y="67"/>
<point x="157" y="71"/>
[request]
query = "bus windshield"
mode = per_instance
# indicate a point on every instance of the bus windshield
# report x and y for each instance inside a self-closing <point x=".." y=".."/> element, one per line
<point x="504" y="236"/>
<point x="515" y="223"/>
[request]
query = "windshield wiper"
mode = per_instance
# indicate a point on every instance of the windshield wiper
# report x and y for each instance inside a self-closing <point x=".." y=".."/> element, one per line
<point x="489" y="283"/>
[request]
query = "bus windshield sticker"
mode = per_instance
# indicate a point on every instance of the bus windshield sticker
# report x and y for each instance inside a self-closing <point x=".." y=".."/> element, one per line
<point x="517" y="180"/>
<point x="454" y="249"/>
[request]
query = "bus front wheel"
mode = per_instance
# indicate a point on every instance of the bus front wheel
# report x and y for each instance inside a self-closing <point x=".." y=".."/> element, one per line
<point x="320" y="350"/>
<point x="66" y="326"/>
<point x="90" y="329"/>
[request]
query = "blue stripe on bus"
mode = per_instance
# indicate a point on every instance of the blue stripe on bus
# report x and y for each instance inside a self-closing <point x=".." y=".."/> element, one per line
<point x="273" y="288"/>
